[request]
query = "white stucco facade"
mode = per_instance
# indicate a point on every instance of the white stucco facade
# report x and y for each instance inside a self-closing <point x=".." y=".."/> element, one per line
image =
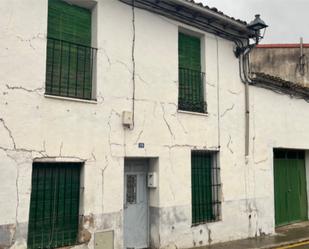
<point x="34" y="126"/>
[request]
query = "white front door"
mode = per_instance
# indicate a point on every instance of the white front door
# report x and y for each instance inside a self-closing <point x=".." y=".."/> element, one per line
<point x="135" y="209"/>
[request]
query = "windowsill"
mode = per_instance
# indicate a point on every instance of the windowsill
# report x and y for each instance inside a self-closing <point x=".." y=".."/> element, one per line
<point x="206" y="222"/>
<point x="193" y="113"/>
<point x="70" y="99"/>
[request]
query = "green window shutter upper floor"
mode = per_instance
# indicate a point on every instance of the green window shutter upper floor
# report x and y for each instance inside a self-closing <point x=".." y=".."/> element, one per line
<point x="69" y="23"/>
<point x="189" y="52"/>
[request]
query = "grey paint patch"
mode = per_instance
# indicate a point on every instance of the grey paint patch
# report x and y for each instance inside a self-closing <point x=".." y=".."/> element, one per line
<point x="154" y="218"/>
<point x="111" y="221"/>
<point x="108" y="221"/>
<point x="10" y="233"/>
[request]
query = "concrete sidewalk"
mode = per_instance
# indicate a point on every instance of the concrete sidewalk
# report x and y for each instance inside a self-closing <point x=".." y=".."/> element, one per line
<point x="288" y="235"/>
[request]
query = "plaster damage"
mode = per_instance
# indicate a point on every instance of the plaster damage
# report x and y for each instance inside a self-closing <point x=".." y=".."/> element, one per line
<point x="133" y="58"/>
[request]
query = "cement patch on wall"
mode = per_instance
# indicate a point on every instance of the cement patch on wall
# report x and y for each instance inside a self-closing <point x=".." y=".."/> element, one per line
<point x="10" y="233"/>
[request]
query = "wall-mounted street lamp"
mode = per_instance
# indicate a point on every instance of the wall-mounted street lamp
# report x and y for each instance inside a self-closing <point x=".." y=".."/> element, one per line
<point x="258" y="25"/>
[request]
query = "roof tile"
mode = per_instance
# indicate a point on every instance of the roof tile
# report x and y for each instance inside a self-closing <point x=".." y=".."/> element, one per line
<point x="216" y="11"/>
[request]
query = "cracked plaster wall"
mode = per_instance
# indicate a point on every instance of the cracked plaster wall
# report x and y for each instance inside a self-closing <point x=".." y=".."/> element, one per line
<point x="33" y="126"/>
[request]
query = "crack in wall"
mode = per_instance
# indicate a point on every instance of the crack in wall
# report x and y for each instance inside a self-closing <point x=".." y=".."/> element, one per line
<point x="227" y="110"/>
<point x="110" y="143"/>
<point x="233" y="92"/>
<point x="60" y="150"/>
<point x="35" y="90"/>
<point x="106" y="55"/>
<point x="133" y="63"/>
<point x="29" y="40"/>
<point x="142" y="131"/>
<point x="9" y="132"/>
<point x="167" y="124"/>
<point x="229" y="144"/>
<point x="17" y="205"/>
<point x="210" y="84"/>
<point x="103" y="175"/>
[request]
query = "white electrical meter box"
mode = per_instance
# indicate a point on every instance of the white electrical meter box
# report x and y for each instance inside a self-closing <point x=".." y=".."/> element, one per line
<point x="152" y="180"/>
<point x="127" y="118"/>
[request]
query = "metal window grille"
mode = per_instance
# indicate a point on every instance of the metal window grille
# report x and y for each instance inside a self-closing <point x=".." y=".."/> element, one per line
<point x="54" y="205"/>
<point x="289" y="154"/>
<point x="191" y="90"/>
<point x="69" y="69"/>
<point x="131" y="189"/>
<point x="206" y="187"/>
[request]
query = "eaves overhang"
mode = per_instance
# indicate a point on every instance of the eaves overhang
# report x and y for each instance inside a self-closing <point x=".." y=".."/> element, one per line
<point x="279" y="85"/>
<point x="196" y="15"/>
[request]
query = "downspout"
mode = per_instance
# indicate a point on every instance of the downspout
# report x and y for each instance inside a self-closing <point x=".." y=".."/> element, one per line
<point x="245" y="78"/>
<point x="133" y="65"/>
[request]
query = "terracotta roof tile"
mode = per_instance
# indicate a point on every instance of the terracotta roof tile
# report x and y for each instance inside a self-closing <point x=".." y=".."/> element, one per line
<point x="277" y="83"/>
<point x="216" y="11"/>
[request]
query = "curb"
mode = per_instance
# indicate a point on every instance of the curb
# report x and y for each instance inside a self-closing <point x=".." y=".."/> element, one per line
<point x="287" y="243"/>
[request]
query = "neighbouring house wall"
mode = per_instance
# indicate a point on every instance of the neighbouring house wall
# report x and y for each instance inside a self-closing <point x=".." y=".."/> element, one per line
<point x="34" y="126"/>
<point x="282" y="62"/>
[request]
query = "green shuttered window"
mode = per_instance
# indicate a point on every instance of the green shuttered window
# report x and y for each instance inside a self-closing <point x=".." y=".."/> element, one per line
<point x="205" y="187"/>
<point x="54" y="205"/>
<point x="70" y="58"/>
<point x="191" y="79"/>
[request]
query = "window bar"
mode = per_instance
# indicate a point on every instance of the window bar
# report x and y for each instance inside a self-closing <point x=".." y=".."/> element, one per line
<point x="84" y="79"/>
<point x="44" y="200"/>
<point x="200" y="187"/>
<point x="60" y="73"/>
<point x="69" y="64"/>
<point x="190" y="91"/>
<point x="64" y="197"/>
<point x="91" y="68"/>
<point x="194" y="190"/>
<point x="181" y="89"/>
<point x="194" y="91"/>
<point x="57" y="207"/>
<point x="42" y="239"/>
<point x="198" y="193"/>
<point x="76" y="76"/>
<point x="71" y="196"/>
<point x="53" y="61"/>
<point x="197" y="91"/>
<point x="78" y="199"/>
<point x="214" y="180"/>
<point x="37" y="194"/>
<point x="187" y="89"/>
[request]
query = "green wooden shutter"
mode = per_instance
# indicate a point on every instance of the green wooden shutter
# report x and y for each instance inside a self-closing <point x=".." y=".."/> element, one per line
<point x="201" y="182"/>
<point x="54" y="205"/>
<point x="69" y="53"/>
<point x="189" y="52"/>
<point x="69" y="23"/>
<point x="191" y="90"/>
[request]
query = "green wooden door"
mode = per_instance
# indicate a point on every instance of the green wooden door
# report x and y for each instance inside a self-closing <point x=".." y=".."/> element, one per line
<point x="290" y="187"/>
<point x="54" y="205"/>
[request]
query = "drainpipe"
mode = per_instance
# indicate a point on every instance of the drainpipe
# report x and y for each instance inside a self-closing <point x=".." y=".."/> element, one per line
<point x="245" y="78"/>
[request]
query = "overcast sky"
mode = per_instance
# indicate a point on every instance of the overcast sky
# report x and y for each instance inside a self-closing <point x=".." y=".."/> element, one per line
<point x="288" y="20"/>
